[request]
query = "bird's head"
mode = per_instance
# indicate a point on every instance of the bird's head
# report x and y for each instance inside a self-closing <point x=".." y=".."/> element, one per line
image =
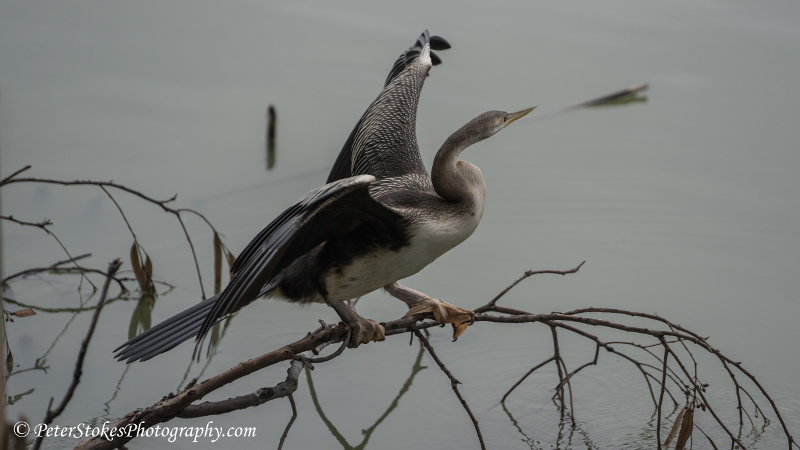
<point x="490" y="122"/>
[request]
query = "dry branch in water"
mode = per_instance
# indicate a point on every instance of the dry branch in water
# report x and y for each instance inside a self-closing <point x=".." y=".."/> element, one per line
<point x="105" y="186"/>
<point x="662" y="352"/>
<point x="76" y="376"/>
<point x="660" y="375"/>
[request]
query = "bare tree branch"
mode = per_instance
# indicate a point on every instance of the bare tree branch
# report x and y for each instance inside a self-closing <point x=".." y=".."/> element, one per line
<point x="76" y="376"/>
<point x="661" y="394"/>
<point x="573" y="321"/>
<point x="536" y="367"/>
<point x="44" y="225"/>
<point x="14" y="174"/>
<point x="163" y="204"/>
<point x="291" y="421"/>
<point x="664" y="373"/>
<point x="283" y="389"/>
<point x="527" y="274"/>
<point x="453" y="384"/>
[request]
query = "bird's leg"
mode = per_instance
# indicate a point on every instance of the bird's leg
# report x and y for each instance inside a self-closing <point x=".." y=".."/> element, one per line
<point x="421" y="303"/>
<point x="362" y="330"/>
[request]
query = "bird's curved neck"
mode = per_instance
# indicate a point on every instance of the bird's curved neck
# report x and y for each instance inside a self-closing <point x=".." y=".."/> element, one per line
<point x="455" y="180"/>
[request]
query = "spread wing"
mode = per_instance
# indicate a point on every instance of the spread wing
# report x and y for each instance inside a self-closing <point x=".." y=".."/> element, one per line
<point x="343" y="167"/>
<point x="334" y="209"/>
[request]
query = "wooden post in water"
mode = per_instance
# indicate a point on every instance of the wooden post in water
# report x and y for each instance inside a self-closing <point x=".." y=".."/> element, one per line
<point x="271" y="120"/>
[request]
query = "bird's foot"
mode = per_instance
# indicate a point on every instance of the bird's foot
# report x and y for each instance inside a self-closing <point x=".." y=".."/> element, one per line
<point x="364" y="331"/>
<point x="444" y="312"/>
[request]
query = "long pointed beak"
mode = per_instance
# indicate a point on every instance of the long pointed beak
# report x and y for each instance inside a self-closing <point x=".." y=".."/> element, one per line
<point x="519" y="114"/>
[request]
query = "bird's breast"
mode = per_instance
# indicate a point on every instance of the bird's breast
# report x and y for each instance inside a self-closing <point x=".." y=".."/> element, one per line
<point x="431" y="236"/>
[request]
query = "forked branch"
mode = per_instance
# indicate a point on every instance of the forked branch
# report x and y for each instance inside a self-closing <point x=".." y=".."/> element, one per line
<point x="660" y="373"/>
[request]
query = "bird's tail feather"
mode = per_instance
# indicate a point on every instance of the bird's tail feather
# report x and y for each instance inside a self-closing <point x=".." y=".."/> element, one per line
<point x="166" y="335"/>
<point x="170" y="333"/>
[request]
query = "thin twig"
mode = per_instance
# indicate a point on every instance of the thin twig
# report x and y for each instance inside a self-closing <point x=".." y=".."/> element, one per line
<point x="76" y="376"/>
<point x="121" y="213"/>
<point x="585" y="365"/>
<point x="557" y="356"/>
<point x="288" y="425"/>
<point x="6" y="179"/>
<point x="525" y="275"/>
<point x="661" y="392"/>
<point x="78" y="268"/>
<point x="541" y="364"/>
<point x="106" y="184"/>
<point x="44" y="226"/>
<point x="699" y="392"/>
<point x="453" y="384"/>
<point x="283" y="389"/>
<point x="573" y="321"/>
<point x="194" y="254"/>
<point x="323" y="359"/>
<point x="569" y="388"/>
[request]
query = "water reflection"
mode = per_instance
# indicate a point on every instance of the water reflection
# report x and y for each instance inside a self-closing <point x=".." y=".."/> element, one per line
<point x="367" y="432"/>
<point x="11" y="399"/>
<point x="117" y="387"/>
<point x="142" y="315"/>
<point x="564" y="439"/>
<point x="141" y="318"/>
<point x="40" y="364"/>
<point x="216" y="335"/>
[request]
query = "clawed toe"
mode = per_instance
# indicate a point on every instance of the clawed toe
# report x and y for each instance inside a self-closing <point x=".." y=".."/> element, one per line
<point x="444" y="312"/>
<point x="364" y="331"/>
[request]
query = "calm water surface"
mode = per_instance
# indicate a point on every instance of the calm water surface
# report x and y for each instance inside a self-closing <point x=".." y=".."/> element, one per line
<point x="685" y="205"/>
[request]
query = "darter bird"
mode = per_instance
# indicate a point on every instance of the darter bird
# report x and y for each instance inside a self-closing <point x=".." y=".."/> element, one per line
<point x="380" y="218"/>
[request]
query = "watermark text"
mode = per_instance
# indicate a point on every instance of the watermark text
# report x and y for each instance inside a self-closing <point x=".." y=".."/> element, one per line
<point x="209" y="432"/>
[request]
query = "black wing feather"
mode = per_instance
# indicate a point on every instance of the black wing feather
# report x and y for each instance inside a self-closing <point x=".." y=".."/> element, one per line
<point x="331" y="210"/>
<point x="334" y="209"/>
<point x="439" y="43"/>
